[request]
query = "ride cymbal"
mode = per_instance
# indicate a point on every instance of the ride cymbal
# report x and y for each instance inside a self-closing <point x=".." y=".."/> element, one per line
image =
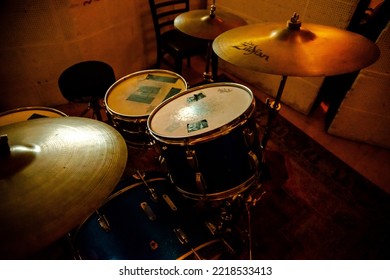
<point x="54" y="173"/>
<point x="314" y="50"/>
<point x="205" y="24"/>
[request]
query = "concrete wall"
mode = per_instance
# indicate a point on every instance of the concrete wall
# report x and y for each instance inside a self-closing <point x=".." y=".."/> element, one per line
<point x="40" y="39"/>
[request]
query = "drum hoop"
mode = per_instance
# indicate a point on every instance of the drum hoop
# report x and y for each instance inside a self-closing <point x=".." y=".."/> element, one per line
<point x="119" y="81"/>
<point x="28" y="108"/>
<point x="221" y="195"/>
<point x="201" y="246"/>
<point x="212" y="134"/>
<point x="133" y="119"/>
<point x="208" y="136"/>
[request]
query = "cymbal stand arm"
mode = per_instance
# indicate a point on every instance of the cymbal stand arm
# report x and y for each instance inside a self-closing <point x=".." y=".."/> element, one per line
<point x="273" y="109"/>
<point x="207" y="74"/>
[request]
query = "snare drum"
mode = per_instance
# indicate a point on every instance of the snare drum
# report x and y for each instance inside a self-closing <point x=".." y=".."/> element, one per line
<point x="131" y="224"/>
<point x="208" y="140"/>
<point x="28" y="113"/>
<point x="130" y="100"/>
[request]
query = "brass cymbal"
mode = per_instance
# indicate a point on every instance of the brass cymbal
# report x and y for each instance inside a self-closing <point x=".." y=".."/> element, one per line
<point x="204" y="24"/>
<point x="292" y="50"/>
<point x="54" y="174"/>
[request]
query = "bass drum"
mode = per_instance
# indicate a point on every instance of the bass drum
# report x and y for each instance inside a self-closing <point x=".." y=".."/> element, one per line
<point x="145" y="220"/>
<point x="208" y="140"/>
<point x="28" y="113"/>
<point x="130" y="100"/>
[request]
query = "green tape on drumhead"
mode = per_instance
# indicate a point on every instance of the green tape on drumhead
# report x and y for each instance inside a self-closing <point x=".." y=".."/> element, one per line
<point x="172" y="92"/>
<point x="164" y="79"/>
<point x="144" y="94"/>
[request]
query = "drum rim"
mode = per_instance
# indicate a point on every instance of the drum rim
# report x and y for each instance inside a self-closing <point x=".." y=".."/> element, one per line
<point x="209" y="135"/>
<point x="199" y="247"/>
<point x="29" y="108"/>
<point x="128" y="76"/>
<point x="223" y="194"/>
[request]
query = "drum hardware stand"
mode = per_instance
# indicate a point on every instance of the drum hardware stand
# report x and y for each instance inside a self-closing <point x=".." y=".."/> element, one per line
<point x="5" y="149"/>
<point x="103" y="222"/>
<point x="273" y="109"/>
<point x="150" y="190"/>
<point x="250" y="202"/>
<point x="75" y="252"/>
<point x="183" y="239"/>
<point x="211" y="57"/>
<point x="226" y="216"/>
<point x="94" y="104"/>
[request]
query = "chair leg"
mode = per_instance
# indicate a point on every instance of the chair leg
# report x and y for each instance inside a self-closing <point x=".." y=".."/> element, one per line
<point x="159" y="59"/>
<point x="178" y="65"/>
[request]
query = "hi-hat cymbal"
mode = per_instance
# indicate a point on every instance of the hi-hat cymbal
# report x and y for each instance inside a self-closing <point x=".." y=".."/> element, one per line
<point x="207" y="25"/>
<point x="54" y="174"/>
<point x="312" y="50"/>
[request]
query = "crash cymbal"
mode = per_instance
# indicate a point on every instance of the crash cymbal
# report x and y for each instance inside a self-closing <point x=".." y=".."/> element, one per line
<point x="207" y="24"/>
<point x="292" y="50"/>
<point x="54" y="173"/>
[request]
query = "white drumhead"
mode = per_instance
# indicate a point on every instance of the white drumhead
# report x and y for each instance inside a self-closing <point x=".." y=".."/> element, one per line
<point x="200" y="110"/>
<point x="139" y="93"/>
<point x="28" y="113"/>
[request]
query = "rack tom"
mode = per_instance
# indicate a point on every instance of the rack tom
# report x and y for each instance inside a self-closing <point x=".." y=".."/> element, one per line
<point x="131" y="99"/>
<point x="208" y="140"/>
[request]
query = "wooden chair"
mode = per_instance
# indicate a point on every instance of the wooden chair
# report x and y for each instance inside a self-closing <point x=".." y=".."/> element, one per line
<point x="170" y="40"/>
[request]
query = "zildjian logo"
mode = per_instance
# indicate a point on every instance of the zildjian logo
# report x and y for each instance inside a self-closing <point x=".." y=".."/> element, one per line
<point x="250" y="48"/>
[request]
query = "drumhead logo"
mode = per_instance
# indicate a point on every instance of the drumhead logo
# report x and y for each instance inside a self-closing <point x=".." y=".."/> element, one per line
<point x="250" y="48"/>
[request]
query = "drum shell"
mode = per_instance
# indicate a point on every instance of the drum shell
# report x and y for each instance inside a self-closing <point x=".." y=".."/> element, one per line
<point x="133" y="129"/>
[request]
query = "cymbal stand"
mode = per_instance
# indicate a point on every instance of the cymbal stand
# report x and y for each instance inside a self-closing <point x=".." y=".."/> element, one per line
<point x="208" y="76"/>
<point x="273" y="110"/>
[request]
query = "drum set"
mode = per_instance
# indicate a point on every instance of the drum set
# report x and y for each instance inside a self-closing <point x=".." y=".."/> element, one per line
<point x="63" y="176"/>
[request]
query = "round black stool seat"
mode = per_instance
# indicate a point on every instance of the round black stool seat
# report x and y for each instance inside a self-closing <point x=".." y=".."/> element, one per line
<point x="86" y="81"/>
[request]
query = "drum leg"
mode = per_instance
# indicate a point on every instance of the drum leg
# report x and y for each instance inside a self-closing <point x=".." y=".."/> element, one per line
<point x="232" y="220"/>
<point x="249" y="204"/>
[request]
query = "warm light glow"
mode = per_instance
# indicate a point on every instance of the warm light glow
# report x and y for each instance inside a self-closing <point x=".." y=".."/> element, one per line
<point x="186" y="114"/>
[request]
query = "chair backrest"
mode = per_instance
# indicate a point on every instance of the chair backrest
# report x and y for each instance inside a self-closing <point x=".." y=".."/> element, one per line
<point x="86" y="80"/>
<point x="164" y="13"/>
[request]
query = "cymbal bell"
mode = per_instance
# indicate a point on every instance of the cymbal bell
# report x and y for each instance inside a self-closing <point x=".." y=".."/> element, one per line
<point x="205" y="24"/>
<point x="292" y="50"/>
<point x="55" y="173"/>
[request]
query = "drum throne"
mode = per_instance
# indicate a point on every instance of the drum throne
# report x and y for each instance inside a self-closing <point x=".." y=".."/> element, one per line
<point x="87" y="82"/>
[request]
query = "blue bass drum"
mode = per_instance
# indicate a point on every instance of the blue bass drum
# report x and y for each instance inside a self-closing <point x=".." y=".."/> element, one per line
<point x="147" y="219"/>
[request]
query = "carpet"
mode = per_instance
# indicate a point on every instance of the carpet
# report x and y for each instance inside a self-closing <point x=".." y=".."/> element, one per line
<point x="316" y="207"/>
